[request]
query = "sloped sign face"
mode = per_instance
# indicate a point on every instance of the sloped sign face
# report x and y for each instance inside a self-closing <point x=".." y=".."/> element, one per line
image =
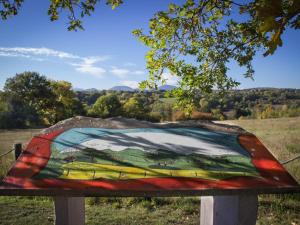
<point x="145" y="161"/>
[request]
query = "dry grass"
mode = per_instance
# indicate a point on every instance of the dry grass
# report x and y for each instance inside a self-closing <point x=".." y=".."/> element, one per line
<point x="280" y="136"/>
<point x="9" y="137"/>
<point x="7" y="140"/>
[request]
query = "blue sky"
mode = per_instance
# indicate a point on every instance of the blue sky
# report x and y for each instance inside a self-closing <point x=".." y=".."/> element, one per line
<point x="106" y="53"/>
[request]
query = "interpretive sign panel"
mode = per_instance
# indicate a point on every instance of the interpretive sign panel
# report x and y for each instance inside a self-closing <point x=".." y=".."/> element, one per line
<point x="157" y="160"/>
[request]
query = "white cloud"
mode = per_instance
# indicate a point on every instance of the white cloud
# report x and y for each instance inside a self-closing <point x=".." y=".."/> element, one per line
<point x="81" y="64"/>
<point x="95" y="59"/>
<point x="93" y="70"/>
<point x="123" y="72"/>
<point x="130" y="83"/>
<point x="170" y="79"/>
<point x="31" y="52"/>
<point x="87" y="66"/>
<point x="130" y="64"/>
<point x="11" y="54"/>
<point x="139" y="72"/>
<point x="119" y="72"/>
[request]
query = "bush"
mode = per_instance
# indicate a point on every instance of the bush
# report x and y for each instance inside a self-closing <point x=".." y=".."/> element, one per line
<point x="106" y="106"/>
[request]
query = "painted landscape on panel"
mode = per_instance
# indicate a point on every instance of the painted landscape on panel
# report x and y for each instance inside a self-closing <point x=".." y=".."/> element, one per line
<point x="122" y="154"/>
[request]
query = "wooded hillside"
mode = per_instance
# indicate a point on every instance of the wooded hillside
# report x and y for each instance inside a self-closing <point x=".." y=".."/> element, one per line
<point x="31" y="100"/>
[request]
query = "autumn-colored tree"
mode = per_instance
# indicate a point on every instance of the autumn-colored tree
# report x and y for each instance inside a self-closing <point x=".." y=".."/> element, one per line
<point x="135" y="108"/>
<point x="66" y="104"/>
<point x="131" y="107"/>
<point x="30" y="95"/>
<point x="30" y="99"/>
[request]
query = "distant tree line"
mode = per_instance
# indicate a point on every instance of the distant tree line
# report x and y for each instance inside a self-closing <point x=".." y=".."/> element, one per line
<point x="31" y="100"/>
<point x="259" y="103"/>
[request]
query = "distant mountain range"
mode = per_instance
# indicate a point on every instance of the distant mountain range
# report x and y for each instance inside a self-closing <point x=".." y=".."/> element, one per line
<point x="166" y="87"/>
<point x="86" y="90"/>
<point x="122" y="88"/>
<point x="126" y="88"/>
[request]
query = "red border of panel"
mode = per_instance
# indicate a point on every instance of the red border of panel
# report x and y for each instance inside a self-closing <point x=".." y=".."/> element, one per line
<point x="38" y="151"/>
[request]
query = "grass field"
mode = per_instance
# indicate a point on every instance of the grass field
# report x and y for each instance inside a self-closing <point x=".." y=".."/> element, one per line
<point x="281" y="136"/>
<point x="7" y="139"/>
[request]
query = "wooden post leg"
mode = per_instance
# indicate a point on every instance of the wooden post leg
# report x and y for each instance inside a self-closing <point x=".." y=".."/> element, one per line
<point x="69" y="210"/>
<point x="229" y="210"/>
<point x="18" y="150"/>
